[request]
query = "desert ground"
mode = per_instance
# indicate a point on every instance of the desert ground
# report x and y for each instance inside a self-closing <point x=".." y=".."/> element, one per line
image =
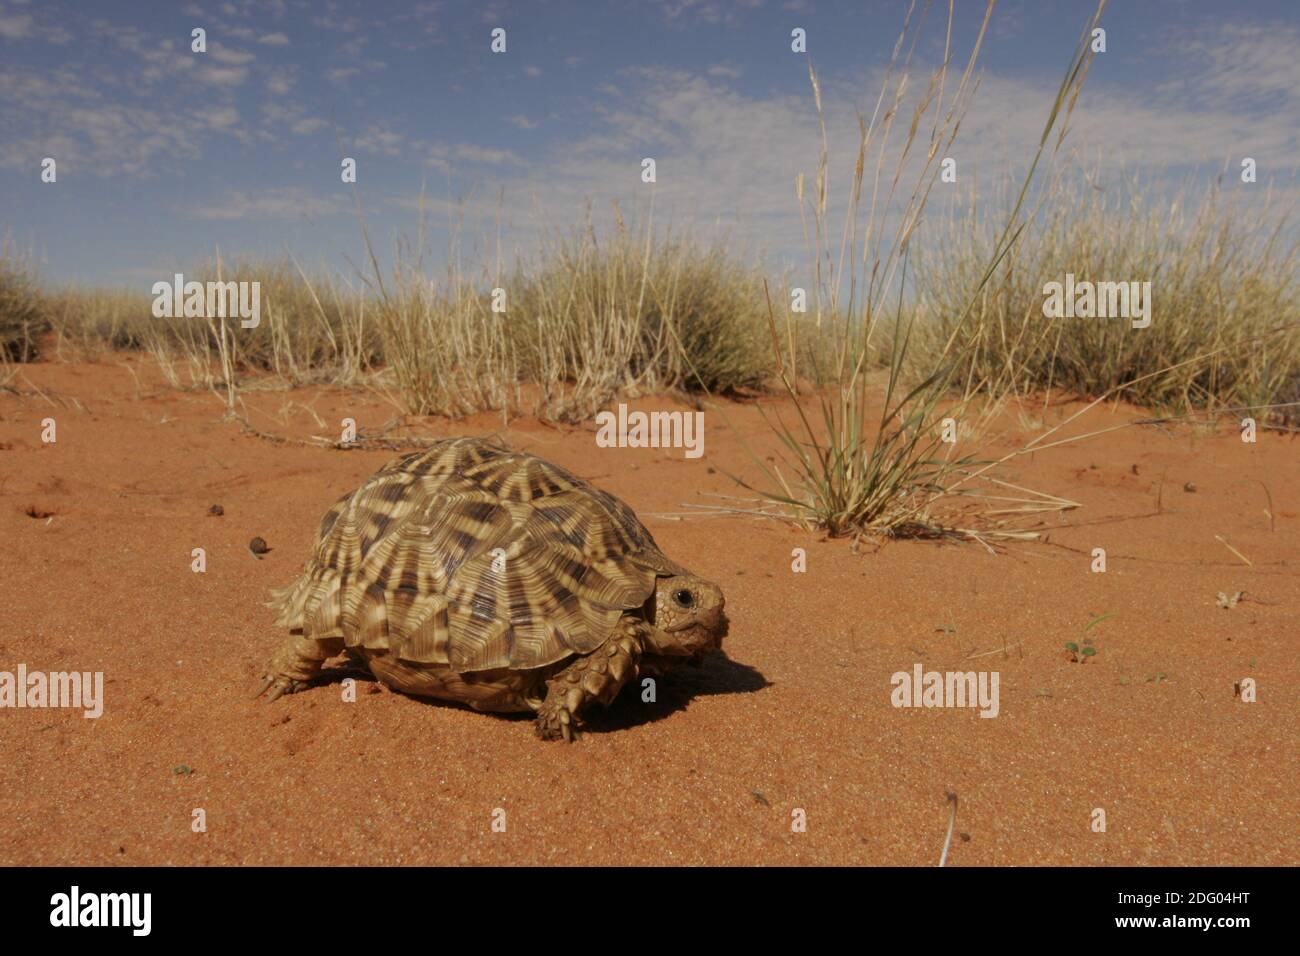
<point x="97" y="531"/>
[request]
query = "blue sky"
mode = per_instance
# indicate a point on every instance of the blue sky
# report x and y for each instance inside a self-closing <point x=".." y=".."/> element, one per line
<point x="164" y="154"/>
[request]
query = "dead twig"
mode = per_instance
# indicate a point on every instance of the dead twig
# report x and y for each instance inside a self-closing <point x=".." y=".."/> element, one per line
<point x="360" y="442"/>
<point x="952" y="820"/>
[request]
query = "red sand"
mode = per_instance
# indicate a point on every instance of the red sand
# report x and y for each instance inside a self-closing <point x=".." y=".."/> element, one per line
<point x="797" y="716"/>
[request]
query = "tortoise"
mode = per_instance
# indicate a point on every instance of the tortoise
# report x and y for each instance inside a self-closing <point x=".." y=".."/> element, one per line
<point x="490" y="577"/>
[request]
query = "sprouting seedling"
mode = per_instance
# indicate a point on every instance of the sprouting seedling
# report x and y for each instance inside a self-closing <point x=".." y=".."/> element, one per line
<point x="1081" y="650"/>
<point x="1079" y="654"/>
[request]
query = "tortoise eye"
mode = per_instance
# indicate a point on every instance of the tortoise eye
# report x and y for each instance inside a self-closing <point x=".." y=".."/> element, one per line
<point x="683" y="597"/>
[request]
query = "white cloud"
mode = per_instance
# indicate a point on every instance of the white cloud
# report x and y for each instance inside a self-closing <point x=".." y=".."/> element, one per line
<point x="728" y="158"/>
<point x="222" y="75"/>
<point x="15" y="26"/>
<point x="1241" y="65"/>
<point x="725" y="152"/>
<point x="280" y="82"/>
<point x="221" y="117"/>
<point x="223" y="54"/>
<point x="23" y="26"/>
<point x="445" y="157"/>
<point x="382" y="141"/>
<point x="341" y="74"/>
<point x="338" y="24"/>
<point x="706" y="11"/>
<point x="281" y="203"/>
<point x="66" y="117"/>
<point x="281" y="116"/>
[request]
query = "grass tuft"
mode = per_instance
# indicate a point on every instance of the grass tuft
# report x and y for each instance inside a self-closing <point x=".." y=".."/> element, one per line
<point x="22" y="313"/>
<point x="1225" y="308"/>
<point x="855" y="470"/>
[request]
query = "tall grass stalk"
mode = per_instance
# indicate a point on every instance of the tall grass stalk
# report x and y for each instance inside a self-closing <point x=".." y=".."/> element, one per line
<point x="849" y="471"/>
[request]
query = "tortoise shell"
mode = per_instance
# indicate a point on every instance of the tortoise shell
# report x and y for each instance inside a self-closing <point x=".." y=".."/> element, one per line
<point x="474" y="557"/>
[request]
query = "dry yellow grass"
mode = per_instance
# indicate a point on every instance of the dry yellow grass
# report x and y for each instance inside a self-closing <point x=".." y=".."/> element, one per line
<point x="1225" y="308"/>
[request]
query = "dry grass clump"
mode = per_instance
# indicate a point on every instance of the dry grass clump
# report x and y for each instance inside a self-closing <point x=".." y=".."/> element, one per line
<point x="861" y="467"/>
<point x="596" y="318"/>
<point x="87" y="322"/>
<point x="588" y="320"/>
<point x="1225" y="309"/>
<point x="311" y="328"/>
<point x="22" y="314"/>
<point x="708" y="321"/>
<point x="444" y="350"/>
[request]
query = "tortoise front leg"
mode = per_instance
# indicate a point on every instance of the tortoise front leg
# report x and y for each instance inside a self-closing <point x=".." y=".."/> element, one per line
<point x="296" y="663"/>
<point x="597" y="676"/>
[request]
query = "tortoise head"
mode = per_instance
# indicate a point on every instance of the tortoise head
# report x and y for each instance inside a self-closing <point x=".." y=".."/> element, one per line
<point x="687" y="614"/>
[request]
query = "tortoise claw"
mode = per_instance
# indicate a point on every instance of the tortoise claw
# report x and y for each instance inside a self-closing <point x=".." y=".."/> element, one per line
<point x="278" y="686"/>
<point x="555" y="722"/>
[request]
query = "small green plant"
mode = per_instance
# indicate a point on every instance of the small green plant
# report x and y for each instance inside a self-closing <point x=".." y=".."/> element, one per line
<point x="1079" y="653"/>
<point x="1083" y="649"/>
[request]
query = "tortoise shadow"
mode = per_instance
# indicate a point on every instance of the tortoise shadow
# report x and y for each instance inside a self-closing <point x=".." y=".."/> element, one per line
<point x="717" y="674"/>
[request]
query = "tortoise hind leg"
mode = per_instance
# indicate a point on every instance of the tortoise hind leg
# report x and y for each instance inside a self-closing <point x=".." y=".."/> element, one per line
<point x="597" y="676"/>
<point x="296" y="663"/>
